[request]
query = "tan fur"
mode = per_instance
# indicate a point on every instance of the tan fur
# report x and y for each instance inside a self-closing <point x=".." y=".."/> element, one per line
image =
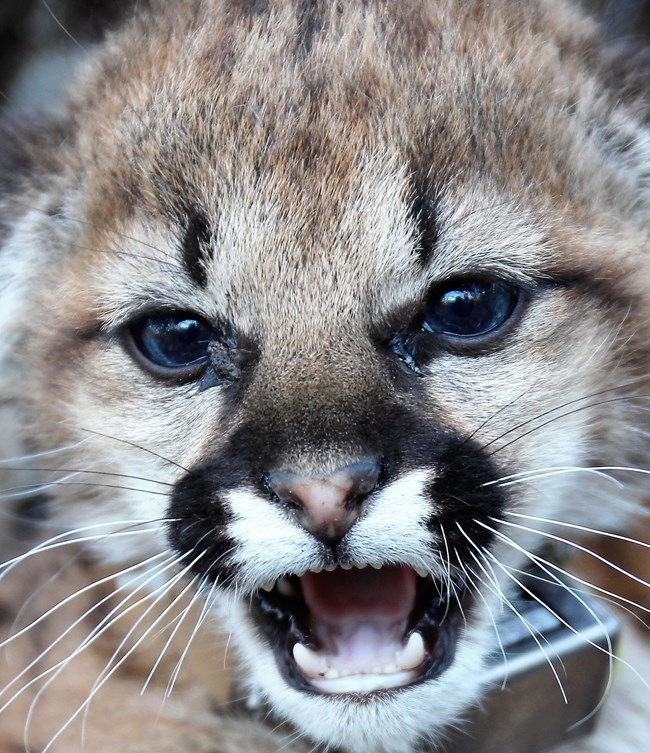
<point x="299" y="131"/>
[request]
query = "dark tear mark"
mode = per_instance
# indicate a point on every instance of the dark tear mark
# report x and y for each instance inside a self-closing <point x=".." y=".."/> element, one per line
<point x="423" y="209"/>
<point x="195" y="247"/>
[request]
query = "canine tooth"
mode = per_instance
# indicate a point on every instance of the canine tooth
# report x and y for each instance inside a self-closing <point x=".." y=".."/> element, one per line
<point x="268" y="585"/>
<point x="412" y="654"/>
<point x="421" y="571"/>
<point x="309" y="661"/>
<point x="284" y="587"/>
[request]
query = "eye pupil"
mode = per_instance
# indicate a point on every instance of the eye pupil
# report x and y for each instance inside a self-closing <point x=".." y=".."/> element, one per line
<point x="174" y="341"/>
<point x="469" y="309"/>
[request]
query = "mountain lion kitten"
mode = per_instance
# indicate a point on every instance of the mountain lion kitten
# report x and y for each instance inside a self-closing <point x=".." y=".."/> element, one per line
<point x="333" y="316"/>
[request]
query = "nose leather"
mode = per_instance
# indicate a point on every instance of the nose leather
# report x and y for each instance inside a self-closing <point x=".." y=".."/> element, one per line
<point x="327" y="506"/>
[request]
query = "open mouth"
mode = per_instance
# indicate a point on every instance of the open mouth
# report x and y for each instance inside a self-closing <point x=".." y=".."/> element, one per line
<point x="357" y="630"/>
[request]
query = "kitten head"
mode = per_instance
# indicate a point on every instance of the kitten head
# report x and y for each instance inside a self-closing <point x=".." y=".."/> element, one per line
<point x="334" y="299"/>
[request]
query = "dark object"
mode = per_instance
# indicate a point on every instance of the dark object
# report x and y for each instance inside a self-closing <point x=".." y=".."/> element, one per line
<point x="524" y="710"/>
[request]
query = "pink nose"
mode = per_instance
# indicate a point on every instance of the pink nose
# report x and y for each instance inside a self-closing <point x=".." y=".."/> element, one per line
<point x="327" y="506"/>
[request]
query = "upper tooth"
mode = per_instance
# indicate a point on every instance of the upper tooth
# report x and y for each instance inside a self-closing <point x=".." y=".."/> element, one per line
<point x="412" y="654"/>
<point x="330" y="568"/>
<point x="317" y="569"/>
<point x="421" y="571"/>
<point x="309" y="661"/>
<point x="346" y="565"/>
<point x="268" y="585"/>
<point x="285" y="587"/>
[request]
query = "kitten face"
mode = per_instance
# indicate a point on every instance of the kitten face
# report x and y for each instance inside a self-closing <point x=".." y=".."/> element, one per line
<point x="349" y="288"/>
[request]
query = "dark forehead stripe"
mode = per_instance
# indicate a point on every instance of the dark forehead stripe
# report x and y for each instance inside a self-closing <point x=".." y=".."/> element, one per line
<point x="423" y="209"/>
<point x="195" y="246"/>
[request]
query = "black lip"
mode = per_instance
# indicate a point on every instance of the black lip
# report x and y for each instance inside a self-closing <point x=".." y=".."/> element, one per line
<point x="437" y="616"/>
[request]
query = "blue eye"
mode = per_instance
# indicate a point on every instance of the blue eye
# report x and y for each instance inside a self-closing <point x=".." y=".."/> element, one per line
<point x="174" y="343"/>
<point x="469" y="308"/>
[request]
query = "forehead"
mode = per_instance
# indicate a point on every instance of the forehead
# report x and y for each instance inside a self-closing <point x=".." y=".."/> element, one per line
<point x="285" y="152"/>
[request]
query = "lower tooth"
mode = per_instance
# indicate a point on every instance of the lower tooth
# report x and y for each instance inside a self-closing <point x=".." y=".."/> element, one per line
<point x="412" y="654"/>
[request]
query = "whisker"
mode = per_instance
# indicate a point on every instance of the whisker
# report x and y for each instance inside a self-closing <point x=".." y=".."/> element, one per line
<point x="105" y="623"/>
<point x="61" y="540"/>
<point x="477" y="590"/>
<point x="600" y="591"/>
<point x="62" y="27"/>
<point x="597" y="393"/>
<point x="499" y="592"/>
<point x="75" y="595"/>
<point x="575" y="545"/>
<point x="622" y="398"/>
<point x="95" y="633"/>
<point x="105" y="676"/>
<point x="81" y="471"/>
<point x="534" y="475"/>
<point x="43" y="454"/>
<point x="136" y="446"/>
<point x="599" y="470"/>
<point x="207" y="606"/>
<point x="608" y="651"/>
<point x="582" y="528"/>
<point x="575" y="590"/>
<point x="26" y="490"/>
<point x="171" y="637"/>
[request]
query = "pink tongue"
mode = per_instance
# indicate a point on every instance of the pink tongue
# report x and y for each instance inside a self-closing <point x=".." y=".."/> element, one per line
<point x="368" y="594"/>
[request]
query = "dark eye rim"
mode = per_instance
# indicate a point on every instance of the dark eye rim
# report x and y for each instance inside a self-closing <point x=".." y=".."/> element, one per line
<point x="175" y="375"/>
<point x="517" y="291"/>
<point x="415" y="346"/>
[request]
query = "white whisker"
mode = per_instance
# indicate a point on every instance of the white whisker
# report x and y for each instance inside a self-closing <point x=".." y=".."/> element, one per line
<point x="76" y="595"/>
<point x="579" y="547"/>
<point x="61" y="540"/>
<point x="199" y="623"/>
<point x="97" y="631"/>
<point x="581" y="528"/>
<point x="108" y="673"/>
<point x="499" y="592"/>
